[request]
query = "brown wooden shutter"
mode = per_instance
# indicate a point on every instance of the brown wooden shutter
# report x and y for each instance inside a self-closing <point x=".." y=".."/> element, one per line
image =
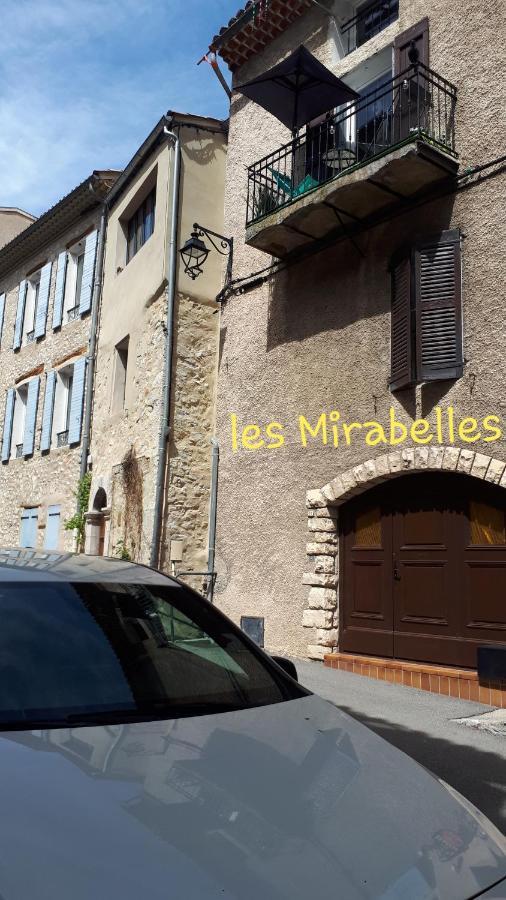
<point x="419" y="34"/>
<point x="438" y="299"/>
<point x="401" y="326"/>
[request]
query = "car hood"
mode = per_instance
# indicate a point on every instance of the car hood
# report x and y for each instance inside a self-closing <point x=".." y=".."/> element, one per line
<point x="293" y="800"/>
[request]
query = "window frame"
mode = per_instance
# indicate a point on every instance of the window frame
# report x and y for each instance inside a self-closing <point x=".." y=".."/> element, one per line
<point x="137" y="233"/>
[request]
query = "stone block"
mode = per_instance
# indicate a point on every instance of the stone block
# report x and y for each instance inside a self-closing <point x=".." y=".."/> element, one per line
<point x="314" y="499"/>
<point x="322" y="598"/>
<point x="466" y="460"/>
<point x="435" y="460"/>
<point x="334" y="489"/>
<point x="408" y="458"/>
<point x="395" y="461"/>
<point x="317" y="618"/>
<point x="320" y="579"/>
<point x="324" y="537"/>
<point x="321" y="549"/>
<point x="495" y="471"/>
<point x="381" y="466"/>
<point x="325" y="565"/>
<point x="328" y="637"/>
<point x="480" y="465"/>
<point x="421" y="457"/>
<point x="450" y="458"/>
<point x="320" y="524"/>
<point x="315" y="651"/>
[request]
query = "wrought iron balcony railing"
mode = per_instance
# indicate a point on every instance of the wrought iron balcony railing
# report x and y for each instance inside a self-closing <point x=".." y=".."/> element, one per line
<point x="62" y="439"/>
<point x="370" y="20"/>
<point x="417" y="104"/>
<point x="19" y="451"/>
<point x="30" y="337"/>
<point x="72" y="313"/>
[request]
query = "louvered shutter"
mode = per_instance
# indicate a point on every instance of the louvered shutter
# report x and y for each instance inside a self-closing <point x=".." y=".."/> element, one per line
<point x="9" y="415"/>
<point x="47" y="415"/>
<point x="439" y="308"/>
<point x="90" y="252"/>
<point x="2" y="311"/>
<point x="20" y="314"/>
<point x="32" y="403"/>
<point x="52" y="534"/>
<point x="401" y="342"/>
<point x="59" y="291"/>
<point x="76" y="403"/>
<point x="41" y="316"/>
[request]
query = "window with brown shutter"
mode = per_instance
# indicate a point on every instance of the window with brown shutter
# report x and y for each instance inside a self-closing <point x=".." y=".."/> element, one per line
<point x="426" y="322"/>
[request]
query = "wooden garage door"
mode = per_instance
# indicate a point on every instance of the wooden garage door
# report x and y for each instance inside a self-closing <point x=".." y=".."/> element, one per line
<point x="423" y="572"/>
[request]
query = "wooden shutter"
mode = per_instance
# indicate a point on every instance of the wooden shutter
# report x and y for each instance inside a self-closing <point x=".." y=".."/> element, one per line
<point x="2" y="311"/>
<point x="52" y="534"/>
<point x="28" y="533"/>
<point x="419" y="34"/>
<point x="32" y="403"/>
<point x="47" y="415"/>
<point x="401" y="326"/>
<point x="20" y="314"/>
<point x="59" y="291"/>
<point x="7" y="434"/>
<point x="76" y="403"/>
<point x="438" y="295"/>
<point x="90" y="252"/>
<point x="41" y="314"/>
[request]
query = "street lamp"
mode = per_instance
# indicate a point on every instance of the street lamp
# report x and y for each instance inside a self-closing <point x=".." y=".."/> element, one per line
<point x="194" y="252"/>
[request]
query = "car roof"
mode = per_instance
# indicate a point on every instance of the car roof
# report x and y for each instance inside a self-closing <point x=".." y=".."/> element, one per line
<point x="35" y="565"/>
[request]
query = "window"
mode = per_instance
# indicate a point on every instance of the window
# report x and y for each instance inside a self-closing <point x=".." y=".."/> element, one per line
<point x="120" y="375"/>
<point x="31" y="303"/>
<point x="18" y="422"/>
<point x="141" y="225"/>
<point x="374" y="17"/>
<point x="52" y="535"/>
<point x="28" y="532"/>
<point x="73" y="280"/>
<point x="62" y="406"/>
<point x="426" y="320"/>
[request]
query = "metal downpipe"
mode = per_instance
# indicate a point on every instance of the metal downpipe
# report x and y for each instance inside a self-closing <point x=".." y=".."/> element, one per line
<point x="167" y="369"/>
<point x="215" y="458"/>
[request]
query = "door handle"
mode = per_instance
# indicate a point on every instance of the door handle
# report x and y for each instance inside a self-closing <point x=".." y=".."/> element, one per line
<point x="396" y="570"/>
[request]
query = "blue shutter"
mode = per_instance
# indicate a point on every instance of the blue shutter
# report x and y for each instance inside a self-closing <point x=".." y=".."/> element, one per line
<point x="20" y="314"/>
<point x="52" y="535"/>
<point x="9" y="414"/>
<point x="59" y="291"/>
<point x="41" y="315"/>
<point x="76" y="403"/>
<point x="90" y="252"/>
<point x="31" y="416"/>
<point x="2" y="310"/>
<point x="47" y="415"/>
<point x="28" y="535"/>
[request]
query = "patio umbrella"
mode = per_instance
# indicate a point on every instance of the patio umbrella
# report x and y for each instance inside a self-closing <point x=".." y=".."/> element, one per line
<point x="298" y="89"/>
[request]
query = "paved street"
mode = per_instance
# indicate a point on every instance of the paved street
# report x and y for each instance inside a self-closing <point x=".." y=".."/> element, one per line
<point x="421" y="724"/>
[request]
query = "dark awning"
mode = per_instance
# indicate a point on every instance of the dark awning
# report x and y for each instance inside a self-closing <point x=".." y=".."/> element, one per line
<point x="298" y="89"/>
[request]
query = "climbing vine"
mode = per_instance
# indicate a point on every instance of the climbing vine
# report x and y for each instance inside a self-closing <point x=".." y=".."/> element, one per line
<point x="77" y="522"/>
<point x="132" y="478"/>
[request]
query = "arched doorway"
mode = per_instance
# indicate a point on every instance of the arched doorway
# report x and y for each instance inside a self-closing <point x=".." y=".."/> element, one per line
<point x="423" y="569"/>
<point x="97" y="521"/>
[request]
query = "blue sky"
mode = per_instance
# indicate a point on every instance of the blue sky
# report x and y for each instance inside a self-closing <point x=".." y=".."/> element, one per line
<point x="82" y="82"/>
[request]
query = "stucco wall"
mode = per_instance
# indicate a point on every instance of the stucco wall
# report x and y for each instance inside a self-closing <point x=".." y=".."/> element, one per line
<point x="12" y="222"/>
<point x="52" y="478"/>
<point x="134" y="304"/>
<point x="316" y="338"/>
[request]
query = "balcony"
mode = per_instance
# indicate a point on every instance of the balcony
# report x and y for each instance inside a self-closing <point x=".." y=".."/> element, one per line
<point x="72" y="313"/>
<point x="19" y="451"/>
<point x="377" y="152"/>
<point x="370" y="20"/>
<point x="62" y="439"/>
<point x="30" y="337"/>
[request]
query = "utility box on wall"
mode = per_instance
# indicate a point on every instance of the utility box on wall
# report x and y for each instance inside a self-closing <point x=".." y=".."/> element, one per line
<point x="253" y="626"/>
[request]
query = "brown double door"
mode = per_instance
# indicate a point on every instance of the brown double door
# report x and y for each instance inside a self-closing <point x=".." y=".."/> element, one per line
<point x="423" y="571"/>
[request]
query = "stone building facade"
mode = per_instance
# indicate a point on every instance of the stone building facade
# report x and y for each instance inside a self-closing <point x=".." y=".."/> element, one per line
<point x="46" y="286"/>
<point x="128" y="391"/>
<point x="12" y="221"/>
<point x="326" y="393"/>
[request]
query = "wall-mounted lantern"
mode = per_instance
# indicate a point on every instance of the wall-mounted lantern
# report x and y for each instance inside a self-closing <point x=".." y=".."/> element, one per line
<point x="194" y="253"/>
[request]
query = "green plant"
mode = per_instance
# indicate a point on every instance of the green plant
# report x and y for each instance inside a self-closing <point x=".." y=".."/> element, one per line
<point x="77" y="522"/>
<point x="121" y="550"/>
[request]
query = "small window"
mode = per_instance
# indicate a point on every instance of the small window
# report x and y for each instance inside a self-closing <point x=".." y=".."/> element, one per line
<point x="141" y="225"/>
<point x="18" y="422"/>
<point x="120" y="376"/>
<point x="28" y="531"/>
<point x="426" y="322"/>
<point x="487" y="524"/>
<point x="62" y="405"/>
<point x="32" y="299"/>
<point x="374" y="17"/>
<point x="74" y="280"/>
<point x="52" y="535"/>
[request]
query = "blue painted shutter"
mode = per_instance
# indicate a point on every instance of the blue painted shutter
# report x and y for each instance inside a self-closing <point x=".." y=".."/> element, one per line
<point x="76" y="403"/>
<point x="47" y="415"/>
<point x="90" y="252"/>
<point x="2" y="310"/>
<point x="59" y="291"/>
<point x="52" y="535"/>
<point x="7" y="435"/>
<point x="41" y="316"/>
<point x="20" y="314"/>
<point x="29" y="519"/>
<point x="31" y="416"/>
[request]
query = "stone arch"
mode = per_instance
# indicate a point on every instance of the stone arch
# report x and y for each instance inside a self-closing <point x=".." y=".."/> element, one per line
<point x="100" y="500"/>
<point x="321" y="614"/>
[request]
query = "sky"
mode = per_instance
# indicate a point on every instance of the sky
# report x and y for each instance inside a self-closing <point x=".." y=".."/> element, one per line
<point x="82" y="83"/>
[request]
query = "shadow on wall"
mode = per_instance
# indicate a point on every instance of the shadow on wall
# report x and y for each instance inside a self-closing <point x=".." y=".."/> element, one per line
<point x="338" y="287"/>
<point x="478" y="774"/>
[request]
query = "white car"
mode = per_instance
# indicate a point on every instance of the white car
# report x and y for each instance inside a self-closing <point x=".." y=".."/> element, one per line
<point x="148" y="749"/>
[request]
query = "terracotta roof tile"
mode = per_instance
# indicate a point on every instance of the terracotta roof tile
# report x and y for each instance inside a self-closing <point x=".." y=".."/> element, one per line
<point x="255" y="26"/>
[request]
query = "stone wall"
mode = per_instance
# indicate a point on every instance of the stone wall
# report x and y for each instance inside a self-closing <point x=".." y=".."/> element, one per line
<point x="52" y="478"/>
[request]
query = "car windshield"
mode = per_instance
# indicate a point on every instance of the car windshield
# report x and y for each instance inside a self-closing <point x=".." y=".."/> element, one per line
<point x="80" y="653"/>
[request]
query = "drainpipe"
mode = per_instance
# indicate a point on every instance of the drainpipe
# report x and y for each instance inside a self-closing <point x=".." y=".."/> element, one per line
<point x="95" y="309"/>
<point x="163" y="442"/>
<point x="215" y="458"/>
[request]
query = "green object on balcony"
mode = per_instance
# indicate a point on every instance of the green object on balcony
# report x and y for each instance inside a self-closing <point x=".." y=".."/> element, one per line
<point x="285" y="183"/>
